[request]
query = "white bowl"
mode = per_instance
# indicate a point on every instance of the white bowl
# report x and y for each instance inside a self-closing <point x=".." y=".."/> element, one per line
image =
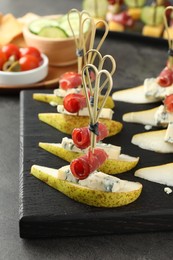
<point x="25" y="77"/>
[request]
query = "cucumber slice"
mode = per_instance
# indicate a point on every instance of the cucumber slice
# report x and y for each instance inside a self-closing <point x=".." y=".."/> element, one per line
<point x="52" y="32"/>
<point x="36" y="25"/>
<point x="152" y="15"/>
<point x="96" y="8"/>
<point x="74" y="20"/>
<point x="135" y="3"/>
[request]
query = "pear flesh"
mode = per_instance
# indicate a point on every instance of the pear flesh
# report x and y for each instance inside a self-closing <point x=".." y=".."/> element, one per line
<point x="134" y="95"/>
<point x="100" y="190"/>
<point x="153" y="141"/>
<point x="145" y="117"/>
<point x="162" y="174"/>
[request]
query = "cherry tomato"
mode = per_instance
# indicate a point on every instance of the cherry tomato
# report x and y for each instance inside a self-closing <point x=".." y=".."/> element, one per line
<point x="165" y="79"/>
<point x="74" y="102"/>
<point x="3" y="59"/>
<point x="88" y="163"/>
<point x="30" y="51"/>
<point x="11" y="50"/>
<point x="70" y="80"/>
<point x="169" y="103"/>
<point x="28" y="62"/>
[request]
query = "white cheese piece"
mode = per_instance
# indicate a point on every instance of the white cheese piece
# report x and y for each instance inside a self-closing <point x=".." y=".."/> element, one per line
<point x="113" y="151"/>
<point x="105" y="113"/>
<point x="153" y="90"/>
<point x="148" y="127"/>
<point x="62" y="93"/>
<point x="133" y="95"/>
<point x="53" y="103"/>
<point x="162" y="174"/>
<point x="169" y="133"/>
<point x="161" y="116"/>
<point x="101" y="181"/>
<point x="167" y="190"/>
<point x="64" y="173"/>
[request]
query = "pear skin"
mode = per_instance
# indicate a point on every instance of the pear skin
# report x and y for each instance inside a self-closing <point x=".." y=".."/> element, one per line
<point x="66" y="123"/>
<point x="48" y="98"/>
<point x="110" y="166"/>
<point x="92" y="197"/>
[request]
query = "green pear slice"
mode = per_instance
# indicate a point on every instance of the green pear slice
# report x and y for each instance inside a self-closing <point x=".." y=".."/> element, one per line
<point x="145" y="117"/>
<point x="112" y="166"/>
<point x="162" y="174"/>
<point x="134" y="95"/>
<point x="48" y="98"/>
<point x="126" y="191"/>
<point x="66" y="123"/>
<point x="53" y="99"/>
<point x="153" y="141"/>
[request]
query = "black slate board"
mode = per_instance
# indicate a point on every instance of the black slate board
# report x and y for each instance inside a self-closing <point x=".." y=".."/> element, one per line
<point x="45" y="212"/>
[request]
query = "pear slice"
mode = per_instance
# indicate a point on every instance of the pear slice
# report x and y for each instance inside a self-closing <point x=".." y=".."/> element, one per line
<point x="153" y="141"/>
<point x="66" y="123"/>
<point x="162" y="174"/>
<point x="48" y="98"/>
<point x="112" y="166"/>
<point x="125" y="192"/>
<point x="57" y="100"/>
<point x="134" y="95"/>
<point x="145" y="117"/>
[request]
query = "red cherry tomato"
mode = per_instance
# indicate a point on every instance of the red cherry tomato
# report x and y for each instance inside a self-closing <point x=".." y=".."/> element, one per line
<point x="3" y="59"/>
<point x="123" y="18"/>
<point x="74" y="102"/>
<point x="70" y="80"/>
<point x="165" y="79"/>
<point x="88" y="163"/>
<point x="169" y="103"/>
<point x="81" y="136"/>
<point x="30" y="51"/>
<point x="11" y="50"/>
<point x="28" y="62"/>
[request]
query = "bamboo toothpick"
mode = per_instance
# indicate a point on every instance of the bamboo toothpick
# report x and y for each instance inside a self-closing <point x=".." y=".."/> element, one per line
<point x="86" y="40"/>
<point x="82" y="37"/>
<point x="170" y="41"/>
<point x="94" y="111"/>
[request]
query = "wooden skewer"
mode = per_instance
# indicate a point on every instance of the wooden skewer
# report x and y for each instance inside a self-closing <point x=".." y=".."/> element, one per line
<point x="170" y="41"/>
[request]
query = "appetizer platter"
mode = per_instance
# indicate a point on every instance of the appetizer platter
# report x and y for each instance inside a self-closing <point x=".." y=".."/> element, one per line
<point x="80" y="174"/>
<point x="132" y="20"/>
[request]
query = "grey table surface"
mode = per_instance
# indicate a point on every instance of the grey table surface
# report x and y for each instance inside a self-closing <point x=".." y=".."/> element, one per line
<point x="157" y="245"/>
